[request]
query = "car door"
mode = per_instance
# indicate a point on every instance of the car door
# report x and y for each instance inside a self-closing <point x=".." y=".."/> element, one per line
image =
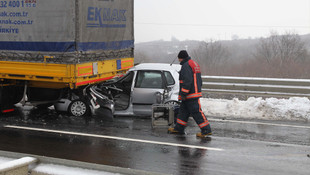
<point x="148" y="83"/>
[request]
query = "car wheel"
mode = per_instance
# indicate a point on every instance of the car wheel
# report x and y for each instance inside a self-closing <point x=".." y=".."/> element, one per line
<point x="173" y="102"/>
<point x="78" y="108"/>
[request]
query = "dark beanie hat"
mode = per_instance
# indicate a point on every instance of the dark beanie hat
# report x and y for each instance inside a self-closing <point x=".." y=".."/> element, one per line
<point x="183" y="54"/>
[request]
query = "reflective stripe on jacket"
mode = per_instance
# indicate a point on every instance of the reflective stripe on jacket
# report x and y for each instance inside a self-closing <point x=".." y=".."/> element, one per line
<point x="190" y="79"/>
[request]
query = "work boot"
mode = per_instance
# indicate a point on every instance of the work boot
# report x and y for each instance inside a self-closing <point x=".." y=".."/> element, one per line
<point x="203" y="135"/>
<point x="174" y="131"/>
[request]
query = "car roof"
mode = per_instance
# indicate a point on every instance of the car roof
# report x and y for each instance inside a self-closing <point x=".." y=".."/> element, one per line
<point x="156" y="66"/>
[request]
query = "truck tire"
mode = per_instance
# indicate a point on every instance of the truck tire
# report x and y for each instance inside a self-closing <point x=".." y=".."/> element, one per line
<point x="18" y="94"/>
<point x="78" y="108"/>
<point x="7" y="98"/>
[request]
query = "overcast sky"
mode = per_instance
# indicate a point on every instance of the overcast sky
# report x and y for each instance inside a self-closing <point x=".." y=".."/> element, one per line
<point x="218" y="19"/>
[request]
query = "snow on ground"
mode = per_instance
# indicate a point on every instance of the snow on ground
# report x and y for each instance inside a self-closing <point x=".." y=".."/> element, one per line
<point x="50" y="168"/>
<point x="61" y="170"/>
<point x="5" y="159"/>
<point x="294" y="108"/>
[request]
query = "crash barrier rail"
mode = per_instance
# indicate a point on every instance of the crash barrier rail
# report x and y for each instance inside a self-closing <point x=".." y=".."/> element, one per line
<point x="273" y="87"/>
<point x="27" y="164"/>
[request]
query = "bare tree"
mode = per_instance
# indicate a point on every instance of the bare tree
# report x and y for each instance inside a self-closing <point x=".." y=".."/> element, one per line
<point x="211" y="54"/>
<point x="282" y="48"/>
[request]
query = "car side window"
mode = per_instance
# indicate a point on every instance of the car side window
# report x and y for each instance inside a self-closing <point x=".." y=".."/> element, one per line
<point x="149" y="79"/>
<point x="169" y="78"/>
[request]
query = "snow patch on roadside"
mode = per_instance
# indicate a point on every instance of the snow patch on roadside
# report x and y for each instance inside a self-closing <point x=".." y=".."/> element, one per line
<point x="294" y="108"/>
<point x="61" y="170"/>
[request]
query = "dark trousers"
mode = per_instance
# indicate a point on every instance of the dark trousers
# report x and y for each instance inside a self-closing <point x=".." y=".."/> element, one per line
<point x="192" y="108"/>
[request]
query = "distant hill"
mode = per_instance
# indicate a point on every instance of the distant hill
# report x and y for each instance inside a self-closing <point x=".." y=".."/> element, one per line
<point x="163" y="51"/>
<point x="166" y="51"/>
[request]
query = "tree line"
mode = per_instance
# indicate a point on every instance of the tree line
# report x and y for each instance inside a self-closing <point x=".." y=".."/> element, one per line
<point x="277" y="56"/>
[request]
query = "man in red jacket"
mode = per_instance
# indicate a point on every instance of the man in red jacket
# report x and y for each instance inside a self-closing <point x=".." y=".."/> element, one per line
<point x="189" y="94"/>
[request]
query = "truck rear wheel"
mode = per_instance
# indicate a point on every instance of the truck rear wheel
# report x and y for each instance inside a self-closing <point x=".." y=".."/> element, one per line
<point x="18" y="94"/>
<point x="78" y="108"/>
<point x="9" y="95"/>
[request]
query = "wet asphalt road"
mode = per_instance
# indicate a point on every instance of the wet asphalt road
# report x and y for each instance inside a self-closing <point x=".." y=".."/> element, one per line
<point x="236" y="147"/>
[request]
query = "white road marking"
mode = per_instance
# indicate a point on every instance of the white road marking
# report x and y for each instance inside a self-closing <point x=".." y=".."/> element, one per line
<point x="113" y="137"/>
<point x="260" y="123"/>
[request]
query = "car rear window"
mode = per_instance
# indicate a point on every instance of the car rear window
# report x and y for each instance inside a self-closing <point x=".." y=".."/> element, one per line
<point x="169" y="78"/>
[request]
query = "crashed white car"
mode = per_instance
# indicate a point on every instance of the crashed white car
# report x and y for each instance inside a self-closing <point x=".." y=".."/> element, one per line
<point x="133" y="94"/>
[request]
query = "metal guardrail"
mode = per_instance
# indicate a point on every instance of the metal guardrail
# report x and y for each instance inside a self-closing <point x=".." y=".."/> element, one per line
<point x="275" y="87"/>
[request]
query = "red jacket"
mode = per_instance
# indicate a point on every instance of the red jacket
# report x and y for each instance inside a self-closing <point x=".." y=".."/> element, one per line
<point x="190" y="80"/>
